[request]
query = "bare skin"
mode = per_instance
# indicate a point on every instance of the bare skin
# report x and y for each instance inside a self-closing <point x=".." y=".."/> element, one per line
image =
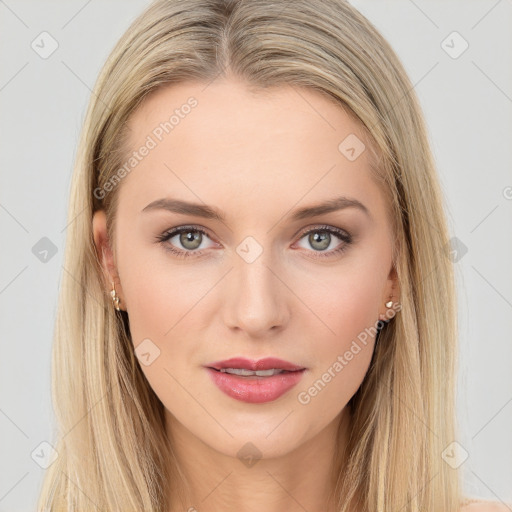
<point x="257" y="157"/>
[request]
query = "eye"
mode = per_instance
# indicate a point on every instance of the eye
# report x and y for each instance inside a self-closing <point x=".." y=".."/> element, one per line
<point x="188" y="239"/>
<point x="320" y="239"/>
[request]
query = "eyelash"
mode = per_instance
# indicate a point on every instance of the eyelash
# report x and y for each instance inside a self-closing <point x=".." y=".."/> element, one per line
<point x="342" y="235"/>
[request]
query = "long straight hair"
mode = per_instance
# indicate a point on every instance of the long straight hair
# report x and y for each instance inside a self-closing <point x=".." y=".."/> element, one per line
<point x="113" y="452"/>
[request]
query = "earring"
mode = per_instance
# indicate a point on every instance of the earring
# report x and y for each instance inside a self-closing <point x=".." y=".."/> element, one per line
<point x="115" y="297"/>
<point x="389" y="304"/>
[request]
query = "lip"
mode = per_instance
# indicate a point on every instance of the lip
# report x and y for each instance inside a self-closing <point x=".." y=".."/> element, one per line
<point x="255" y="389"/>
<point x="249" y="364"/>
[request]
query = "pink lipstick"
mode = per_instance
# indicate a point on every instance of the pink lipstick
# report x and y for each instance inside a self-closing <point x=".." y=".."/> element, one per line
<point x="255" y="381"/>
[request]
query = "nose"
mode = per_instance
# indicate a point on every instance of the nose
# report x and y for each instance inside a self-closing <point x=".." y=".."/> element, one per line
<point x="256" y="299"/>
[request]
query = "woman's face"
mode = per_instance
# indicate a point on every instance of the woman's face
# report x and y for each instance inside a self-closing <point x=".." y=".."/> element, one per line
<point x="259" y="279"/>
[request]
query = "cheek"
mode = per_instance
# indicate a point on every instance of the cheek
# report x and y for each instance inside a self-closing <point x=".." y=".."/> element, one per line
<point x="160" y="293"/>
<point x="166" y="306"/>
<point x="346" y="301"/>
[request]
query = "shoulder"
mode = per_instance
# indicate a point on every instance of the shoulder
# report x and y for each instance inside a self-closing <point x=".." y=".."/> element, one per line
<point x="486" y="506"/>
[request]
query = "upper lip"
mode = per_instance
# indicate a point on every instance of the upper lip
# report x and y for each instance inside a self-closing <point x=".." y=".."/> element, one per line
<point x="249" y="364"/>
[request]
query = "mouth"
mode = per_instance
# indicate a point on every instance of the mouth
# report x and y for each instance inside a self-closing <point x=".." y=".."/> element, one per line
<point x="242" y="372"/>
<point x="255" y="381"/>
<point x="249" y="367"/>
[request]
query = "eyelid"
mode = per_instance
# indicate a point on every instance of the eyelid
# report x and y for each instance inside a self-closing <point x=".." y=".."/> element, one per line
<point x="313" y="227"/>
<point x="343" y="235"/>
<point x="324" y="227"/>
<point x="172" y="232"/>
<point x="345" y="238"/>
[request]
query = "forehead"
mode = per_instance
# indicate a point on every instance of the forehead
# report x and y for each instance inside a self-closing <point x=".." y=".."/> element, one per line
<point x="225" y="141"/>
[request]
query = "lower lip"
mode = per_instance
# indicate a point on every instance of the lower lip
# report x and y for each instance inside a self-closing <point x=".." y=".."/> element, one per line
<point x="255" y="390"/>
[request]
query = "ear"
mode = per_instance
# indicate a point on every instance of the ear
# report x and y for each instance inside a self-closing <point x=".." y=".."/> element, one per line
<point x="105" y="254"/>
<point x="391" y="293"/>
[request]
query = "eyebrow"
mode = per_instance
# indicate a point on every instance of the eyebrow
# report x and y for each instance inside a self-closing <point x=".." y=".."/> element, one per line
<point x="210" y="212"/>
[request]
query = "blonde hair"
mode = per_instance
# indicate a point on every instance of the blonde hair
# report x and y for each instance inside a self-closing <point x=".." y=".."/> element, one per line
<point x="113" y="450"/>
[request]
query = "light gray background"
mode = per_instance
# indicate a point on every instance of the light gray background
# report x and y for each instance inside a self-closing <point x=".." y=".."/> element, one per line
<point x="468" y="106"/>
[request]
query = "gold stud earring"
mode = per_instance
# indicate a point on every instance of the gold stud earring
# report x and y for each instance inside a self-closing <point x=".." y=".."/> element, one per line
<point x="115" y="297"/>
